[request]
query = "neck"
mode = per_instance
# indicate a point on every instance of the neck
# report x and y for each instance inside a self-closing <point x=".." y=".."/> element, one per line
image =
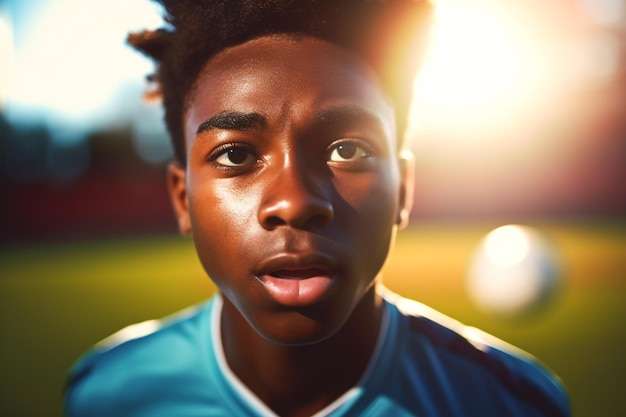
<point x="301" y="380"/>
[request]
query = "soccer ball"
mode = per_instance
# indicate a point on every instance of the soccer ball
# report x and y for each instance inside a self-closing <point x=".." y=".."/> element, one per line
<point x="514" y="272"/>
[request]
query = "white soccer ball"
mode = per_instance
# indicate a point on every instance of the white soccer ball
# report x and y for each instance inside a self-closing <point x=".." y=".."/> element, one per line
<point x="514" y="272"/>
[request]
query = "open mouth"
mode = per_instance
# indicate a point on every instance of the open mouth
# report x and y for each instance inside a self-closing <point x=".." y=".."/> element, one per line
<point x="298" y="287"/>
<point x="298" y="279"/>
<point x="299" y="273"/>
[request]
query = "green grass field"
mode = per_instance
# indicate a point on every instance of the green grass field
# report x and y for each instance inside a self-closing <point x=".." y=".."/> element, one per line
<point x="58" y="299"/>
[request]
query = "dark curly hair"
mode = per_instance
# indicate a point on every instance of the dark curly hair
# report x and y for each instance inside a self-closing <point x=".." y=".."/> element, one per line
<point x="388" y="34"/>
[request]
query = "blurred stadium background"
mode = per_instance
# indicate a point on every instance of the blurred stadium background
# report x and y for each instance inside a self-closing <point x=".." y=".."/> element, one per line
<point x="520" y="117"/>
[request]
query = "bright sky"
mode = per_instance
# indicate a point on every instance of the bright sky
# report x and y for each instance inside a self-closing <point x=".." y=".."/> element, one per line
<point x="70" y="62"/>
<point x="503" y="76"/>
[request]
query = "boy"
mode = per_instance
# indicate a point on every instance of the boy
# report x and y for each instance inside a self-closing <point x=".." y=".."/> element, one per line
<point x="285" y="117"/>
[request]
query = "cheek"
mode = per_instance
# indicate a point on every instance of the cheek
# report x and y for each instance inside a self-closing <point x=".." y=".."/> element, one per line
<point x="371" y="206"/>
<point x="222" y="203"/>
<point x="222" y="217"/>
<point x="372" y="197"/>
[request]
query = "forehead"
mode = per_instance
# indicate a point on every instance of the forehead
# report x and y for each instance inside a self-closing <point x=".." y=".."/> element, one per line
<point x="279" y="75"/>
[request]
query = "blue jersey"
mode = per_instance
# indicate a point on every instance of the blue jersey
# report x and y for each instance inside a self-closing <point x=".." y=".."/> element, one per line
<point x="425" y="364"/>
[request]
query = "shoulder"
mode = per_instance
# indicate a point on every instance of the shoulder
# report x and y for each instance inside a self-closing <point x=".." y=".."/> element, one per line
<point x="135" y="358"/>
<point x="481" y="357"/>
<point x="145" y="338"/>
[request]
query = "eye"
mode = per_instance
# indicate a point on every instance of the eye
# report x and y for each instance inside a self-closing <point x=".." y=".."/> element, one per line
<point x="347" y="152"/>
<point x="233" y="156"/>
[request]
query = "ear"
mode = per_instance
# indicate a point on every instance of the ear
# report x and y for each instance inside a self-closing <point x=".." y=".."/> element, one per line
<point x="177" y="187"/>
<point x="407" y="184"/>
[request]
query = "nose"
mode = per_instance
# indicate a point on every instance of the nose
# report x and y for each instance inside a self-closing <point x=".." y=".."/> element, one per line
<point x="295" y="198"/>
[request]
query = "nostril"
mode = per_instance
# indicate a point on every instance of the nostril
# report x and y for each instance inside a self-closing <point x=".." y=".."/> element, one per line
<point x="315" y="221"/>
<point x="274" y="221"/>
<point x="312" y="215"/>
<point x="295" y="201"/>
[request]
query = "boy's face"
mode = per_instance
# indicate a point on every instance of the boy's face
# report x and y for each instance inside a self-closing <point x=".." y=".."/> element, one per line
<point x="293" y="189"/>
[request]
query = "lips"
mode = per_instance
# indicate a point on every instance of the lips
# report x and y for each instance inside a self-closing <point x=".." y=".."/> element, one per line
<point x="297" y="280"/>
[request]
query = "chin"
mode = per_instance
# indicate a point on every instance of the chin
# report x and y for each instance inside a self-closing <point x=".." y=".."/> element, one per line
<point x="302" y="327"/>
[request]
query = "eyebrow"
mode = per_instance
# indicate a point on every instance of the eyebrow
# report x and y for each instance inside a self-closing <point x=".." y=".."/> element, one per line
<point x="233" y="121"/>
<point x="347" y="114"/>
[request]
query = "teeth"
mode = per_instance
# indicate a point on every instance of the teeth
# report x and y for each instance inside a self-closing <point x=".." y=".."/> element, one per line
<point x="298" y="274"/>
